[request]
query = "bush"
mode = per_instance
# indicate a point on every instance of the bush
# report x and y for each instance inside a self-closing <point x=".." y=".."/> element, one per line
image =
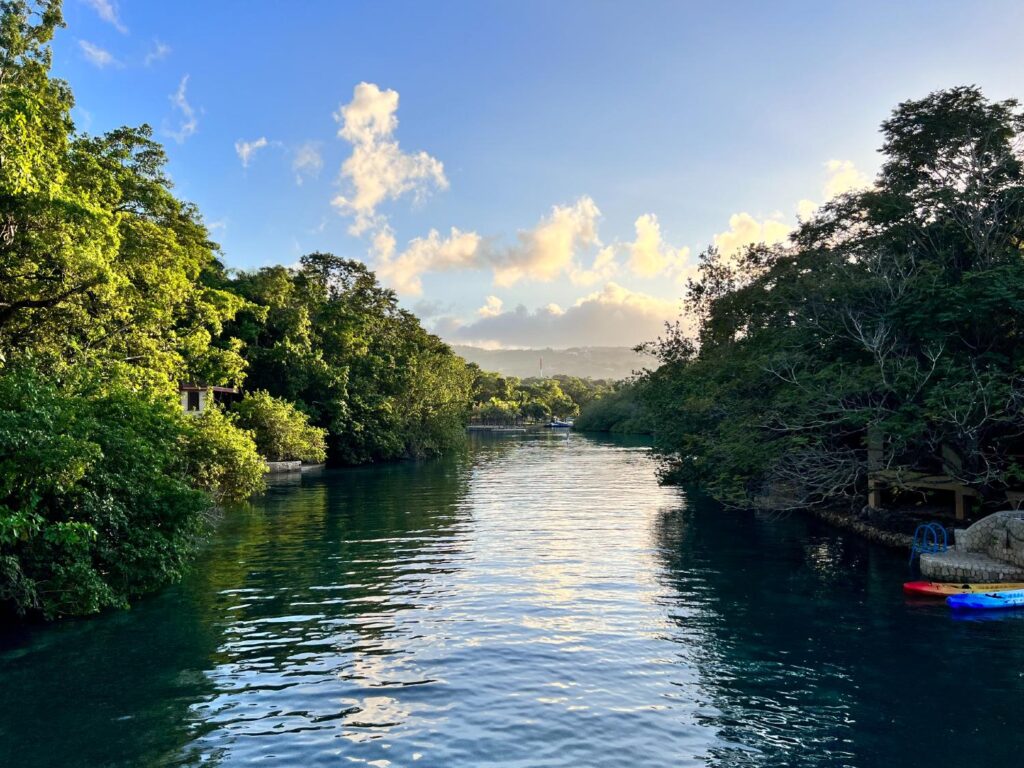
<point x="282" y="432"/>
<point x="222" y="457"/>
<point x="96" y="505"/>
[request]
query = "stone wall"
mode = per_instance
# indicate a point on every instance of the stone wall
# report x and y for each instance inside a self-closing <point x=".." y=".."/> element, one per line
<point x="1000" y="535"/>
<point x="275" y="467"/>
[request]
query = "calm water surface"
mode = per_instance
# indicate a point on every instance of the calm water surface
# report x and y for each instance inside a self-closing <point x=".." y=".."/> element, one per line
<point x="540" y="601"/>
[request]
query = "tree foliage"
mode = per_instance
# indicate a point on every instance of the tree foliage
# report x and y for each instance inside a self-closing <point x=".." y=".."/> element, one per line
<point x="507" y="399"/>
<point x="327" y="336"/>
<point x="896" y="311"/>
<point x="282" y="432"/>
<point x="98" y="499"/>
<point x="621" y="411"/>
<point x="111" y="295"/>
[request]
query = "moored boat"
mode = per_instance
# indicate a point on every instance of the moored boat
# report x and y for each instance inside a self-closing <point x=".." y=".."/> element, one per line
<point x="944" y="589"/>
<point x="1013" y="598"/>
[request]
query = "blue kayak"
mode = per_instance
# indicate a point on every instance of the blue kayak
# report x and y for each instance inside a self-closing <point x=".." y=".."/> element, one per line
<point x="983" y="601"/>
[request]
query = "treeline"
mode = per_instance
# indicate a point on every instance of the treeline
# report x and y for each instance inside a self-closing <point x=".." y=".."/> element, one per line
<point x="111" y="296"/>
<point x="621" y="410"/>
<point x="894" y="316"/>
<point x="498" y="399"/>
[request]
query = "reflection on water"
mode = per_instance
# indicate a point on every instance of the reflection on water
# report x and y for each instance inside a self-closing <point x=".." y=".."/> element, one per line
<point x="539" y="601"/>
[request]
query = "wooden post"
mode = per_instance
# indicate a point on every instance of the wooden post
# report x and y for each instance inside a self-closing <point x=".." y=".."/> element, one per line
<point x="961" y="504"/>
<point x="875" y="447"/>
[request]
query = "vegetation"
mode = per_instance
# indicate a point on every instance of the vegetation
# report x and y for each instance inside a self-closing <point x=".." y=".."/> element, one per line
<point x="282" y="432"/>
<point x="99" y="499"/>
<point x="328" y="337"/>
<point x="621" y="410"/>
<point x="896" y="312"/>
<point x="501" y="399"/>
<point x="111" y="295"/>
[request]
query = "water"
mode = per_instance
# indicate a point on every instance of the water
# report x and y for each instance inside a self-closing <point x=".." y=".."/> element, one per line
<point x="540" y="601"/>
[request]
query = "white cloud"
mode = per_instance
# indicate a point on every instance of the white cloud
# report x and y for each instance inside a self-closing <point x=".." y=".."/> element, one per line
<point x="491" y="308"/>
<point x="189" y="121"/>
<point x="96" y="55"/>
<point x="613" y="316"/>
<point x="542" y="254"/>
<point x="549" y="250"/>
<point x="433" y="253"/>
<point x="307" y="161"/>
<point x="842" y="176"/>
<point x="157" y="53"/>
<point x="650" y="255"/>
<point x="108" y="12"/>
<point x="378" y="170"/>
<point x="246" y="149"/>
<point x="745" y="230"/>
<point x="603" y="267"/>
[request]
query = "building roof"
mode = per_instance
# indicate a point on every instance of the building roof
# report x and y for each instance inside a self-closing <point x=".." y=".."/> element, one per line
<point x="207" y="388"/>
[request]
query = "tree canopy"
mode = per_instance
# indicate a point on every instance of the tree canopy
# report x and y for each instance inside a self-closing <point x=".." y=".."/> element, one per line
<point x="896" y="312"/>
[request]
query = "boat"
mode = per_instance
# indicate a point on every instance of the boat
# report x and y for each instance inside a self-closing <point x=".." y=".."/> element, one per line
<point x="559" y="424"/>
<point x="944" y="589"/>
<point x="1011" y="598"/>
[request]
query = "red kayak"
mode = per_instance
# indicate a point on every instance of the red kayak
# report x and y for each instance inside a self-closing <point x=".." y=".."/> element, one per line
<point x="944" y="589"/>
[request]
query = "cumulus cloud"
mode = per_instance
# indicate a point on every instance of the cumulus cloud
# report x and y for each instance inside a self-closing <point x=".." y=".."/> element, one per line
<point x="378" y="169"/>
<point x="307" y="161"/>
<point x="157" y="52"/>
<point x="745" y="230"/>
<point x="433" y="253"/>
<point x="246" y="149"/>
<point x="603" y="267"/>
<point x="552" y="249"/>
<point x="612" y="316"/>
<point x="189" y="121"/>
<point x="107" y="11"/>
<point x="491" y="308"/>
<point x="650" y="255"/>
<point x="842" y="176"/>
<point x="549" y="250"/>
<point x="97" y="56"/>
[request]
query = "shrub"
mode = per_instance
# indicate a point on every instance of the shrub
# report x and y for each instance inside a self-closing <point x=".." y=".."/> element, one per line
<point x="96" y="504"/>
<point x="282" y="432"/>
<point x="222" y="457"/>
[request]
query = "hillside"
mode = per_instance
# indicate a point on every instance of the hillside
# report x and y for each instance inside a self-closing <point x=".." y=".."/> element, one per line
<point x="592" y="362"/>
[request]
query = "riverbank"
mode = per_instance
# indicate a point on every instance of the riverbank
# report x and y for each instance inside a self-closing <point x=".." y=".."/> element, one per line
<point x="862" y="524"/>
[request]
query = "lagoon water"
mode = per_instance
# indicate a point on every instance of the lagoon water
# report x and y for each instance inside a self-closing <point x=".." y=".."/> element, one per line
<point x="538" y="601"/>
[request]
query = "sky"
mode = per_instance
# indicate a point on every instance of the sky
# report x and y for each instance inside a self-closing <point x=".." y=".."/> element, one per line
<point x="523" y="174"/>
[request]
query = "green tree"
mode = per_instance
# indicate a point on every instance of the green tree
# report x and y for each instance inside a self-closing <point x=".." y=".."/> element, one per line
<point x="328" y="337"/>
<point x="895" y="311"/>
<point x="98" y="502"/>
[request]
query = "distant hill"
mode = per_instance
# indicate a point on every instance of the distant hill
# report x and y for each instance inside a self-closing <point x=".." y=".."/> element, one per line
<point x="593" y="362"/>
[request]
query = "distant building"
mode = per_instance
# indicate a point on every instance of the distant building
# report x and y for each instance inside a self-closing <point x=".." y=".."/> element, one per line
<point x="196" y="398"/>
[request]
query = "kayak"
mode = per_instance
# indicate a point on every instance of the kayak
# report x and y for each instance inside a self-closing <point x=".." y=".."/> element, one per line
<point x="1013" y="598"/>
<point x="942" y="589"/>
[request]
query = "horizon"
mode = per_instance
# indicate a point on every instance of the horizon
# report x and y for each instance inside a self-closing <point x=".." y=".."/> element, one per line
<point x="515" y="200"/>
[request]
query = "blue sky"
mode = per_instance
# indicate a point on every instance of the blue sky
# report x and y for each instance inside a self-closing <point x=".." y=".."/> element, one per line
<point x="585" y="152"/>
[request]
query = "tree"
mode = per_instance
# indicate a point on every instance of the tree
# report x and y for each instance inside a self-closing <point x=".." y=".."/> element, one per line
<point x="895" y="311"/>
<point x="328" y="337"/>
<point x="98" y="496"/>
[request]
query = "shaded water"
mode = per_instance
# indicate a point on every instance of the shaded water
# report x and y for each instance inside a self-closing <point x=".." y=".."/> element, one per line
<point x="540" y="601"/>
